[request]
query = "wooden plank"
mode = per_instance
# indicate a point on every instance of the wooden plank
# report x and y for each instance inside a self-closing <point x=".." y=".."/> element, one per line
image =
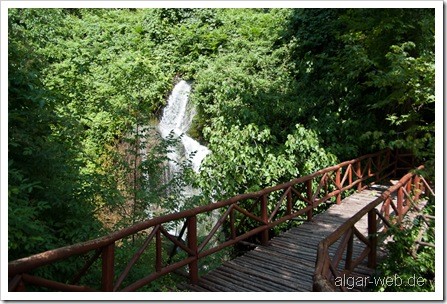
<point x="314" y="234"/>
<point x="295" y="247"/>
<point x="322" y="229"/>
<point x="308" y="249"/>
<point x="276" y="276"/>
<point x="268" y="267"/>
<point x="264" y="267"/>
<point x="250" y="281"/>
<point x="209" y="285"/>
<point x="223" y="283"/>
<point x="230" y="280"/>
<point x="301" y="262"/>
<point x="298" y="258"/>
<point x="184" y="286"/>
<point x="292" y="251"/>
<point x="295" y="268"/>
<point x="298" y="267"/>
<point x="289" y="254"/>
<point x="226" y="272"/>
<point x="306" y="232"/>
<point x="260" y="278"/>
<point x="300" y="239"/>
<point x="303" y="241"/>
<point x="225" y="280"/>
<point x="207" y="288"/>
<point x="302" y="276"/>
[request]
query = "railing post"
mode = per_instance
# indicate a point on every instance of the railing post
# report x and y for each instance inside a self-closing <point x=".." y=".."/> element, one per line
<point x="417" y="187"/>
<point x="192" y="245"/>
<point x="309" y="197"/>
<point x="289" y="201"/>
<point x="232" y="223"/>
<point x="264" y="217"/>
<point x="338" y="185"/>
<point x="359" y="175"/>
<point x="409" y="185"/>
<point x="386" y="212"/>
<point x="158" y="247"/>
<point x="350" y="175"/>
<point x="349" y="250"/>
<point x="108" y="267"/>
<point x="16" y="284"/>
<point x="400" y="201"/>
<point x="372" y="234"/>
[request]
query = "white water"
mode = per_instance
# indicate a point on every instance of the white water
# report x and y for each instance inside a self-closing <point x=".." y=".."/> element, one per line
<point x="177" y="118"/>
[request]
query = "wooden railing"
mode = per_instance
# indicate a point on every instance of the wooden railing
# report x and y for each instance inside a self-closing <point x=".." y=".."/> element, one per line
<point x="260" y="210"/>
<point x="396" y="202"/>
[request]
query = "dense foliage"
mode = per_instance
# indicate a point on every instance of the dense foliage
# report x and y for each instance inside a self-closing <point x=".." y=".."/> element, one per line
<point x="368" y="75"/>
<point x="411" y="255"/>
<point x="279" y="92"/>
<point x="49" y="204"/>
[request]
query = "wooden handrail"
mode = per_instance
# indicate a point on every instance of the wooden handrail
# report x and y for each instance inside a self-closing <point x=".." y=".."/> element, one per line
<point x="196" y="251"/>
<point x="323" y="261"/>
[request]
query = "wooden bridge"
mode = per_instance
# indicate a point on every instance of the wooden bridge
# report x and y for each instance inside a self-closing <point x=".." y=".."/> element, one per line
<point x="341" y="241"/>
<point x="287" y="262"/>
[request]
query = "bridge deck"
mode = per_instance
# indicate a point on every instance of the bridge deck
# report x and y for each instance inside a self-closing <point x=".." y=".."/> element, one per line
<point x="287" y="262"/>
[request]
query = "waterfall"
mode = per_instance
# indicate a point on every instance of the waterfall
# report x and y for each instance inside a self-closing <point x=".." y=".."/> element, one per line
<point x="177" y="118"/>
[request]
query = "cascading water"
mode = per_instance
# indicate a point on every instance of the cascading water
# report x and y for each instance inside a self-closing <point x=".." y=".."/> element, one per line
<point x="177" y="118"/>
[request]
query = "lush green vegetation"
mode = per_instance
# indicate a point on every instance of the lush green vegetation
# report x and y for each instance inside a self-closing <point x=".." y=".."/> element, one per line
<point x="410" y="258"/>
<point x="280" y="93"/>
